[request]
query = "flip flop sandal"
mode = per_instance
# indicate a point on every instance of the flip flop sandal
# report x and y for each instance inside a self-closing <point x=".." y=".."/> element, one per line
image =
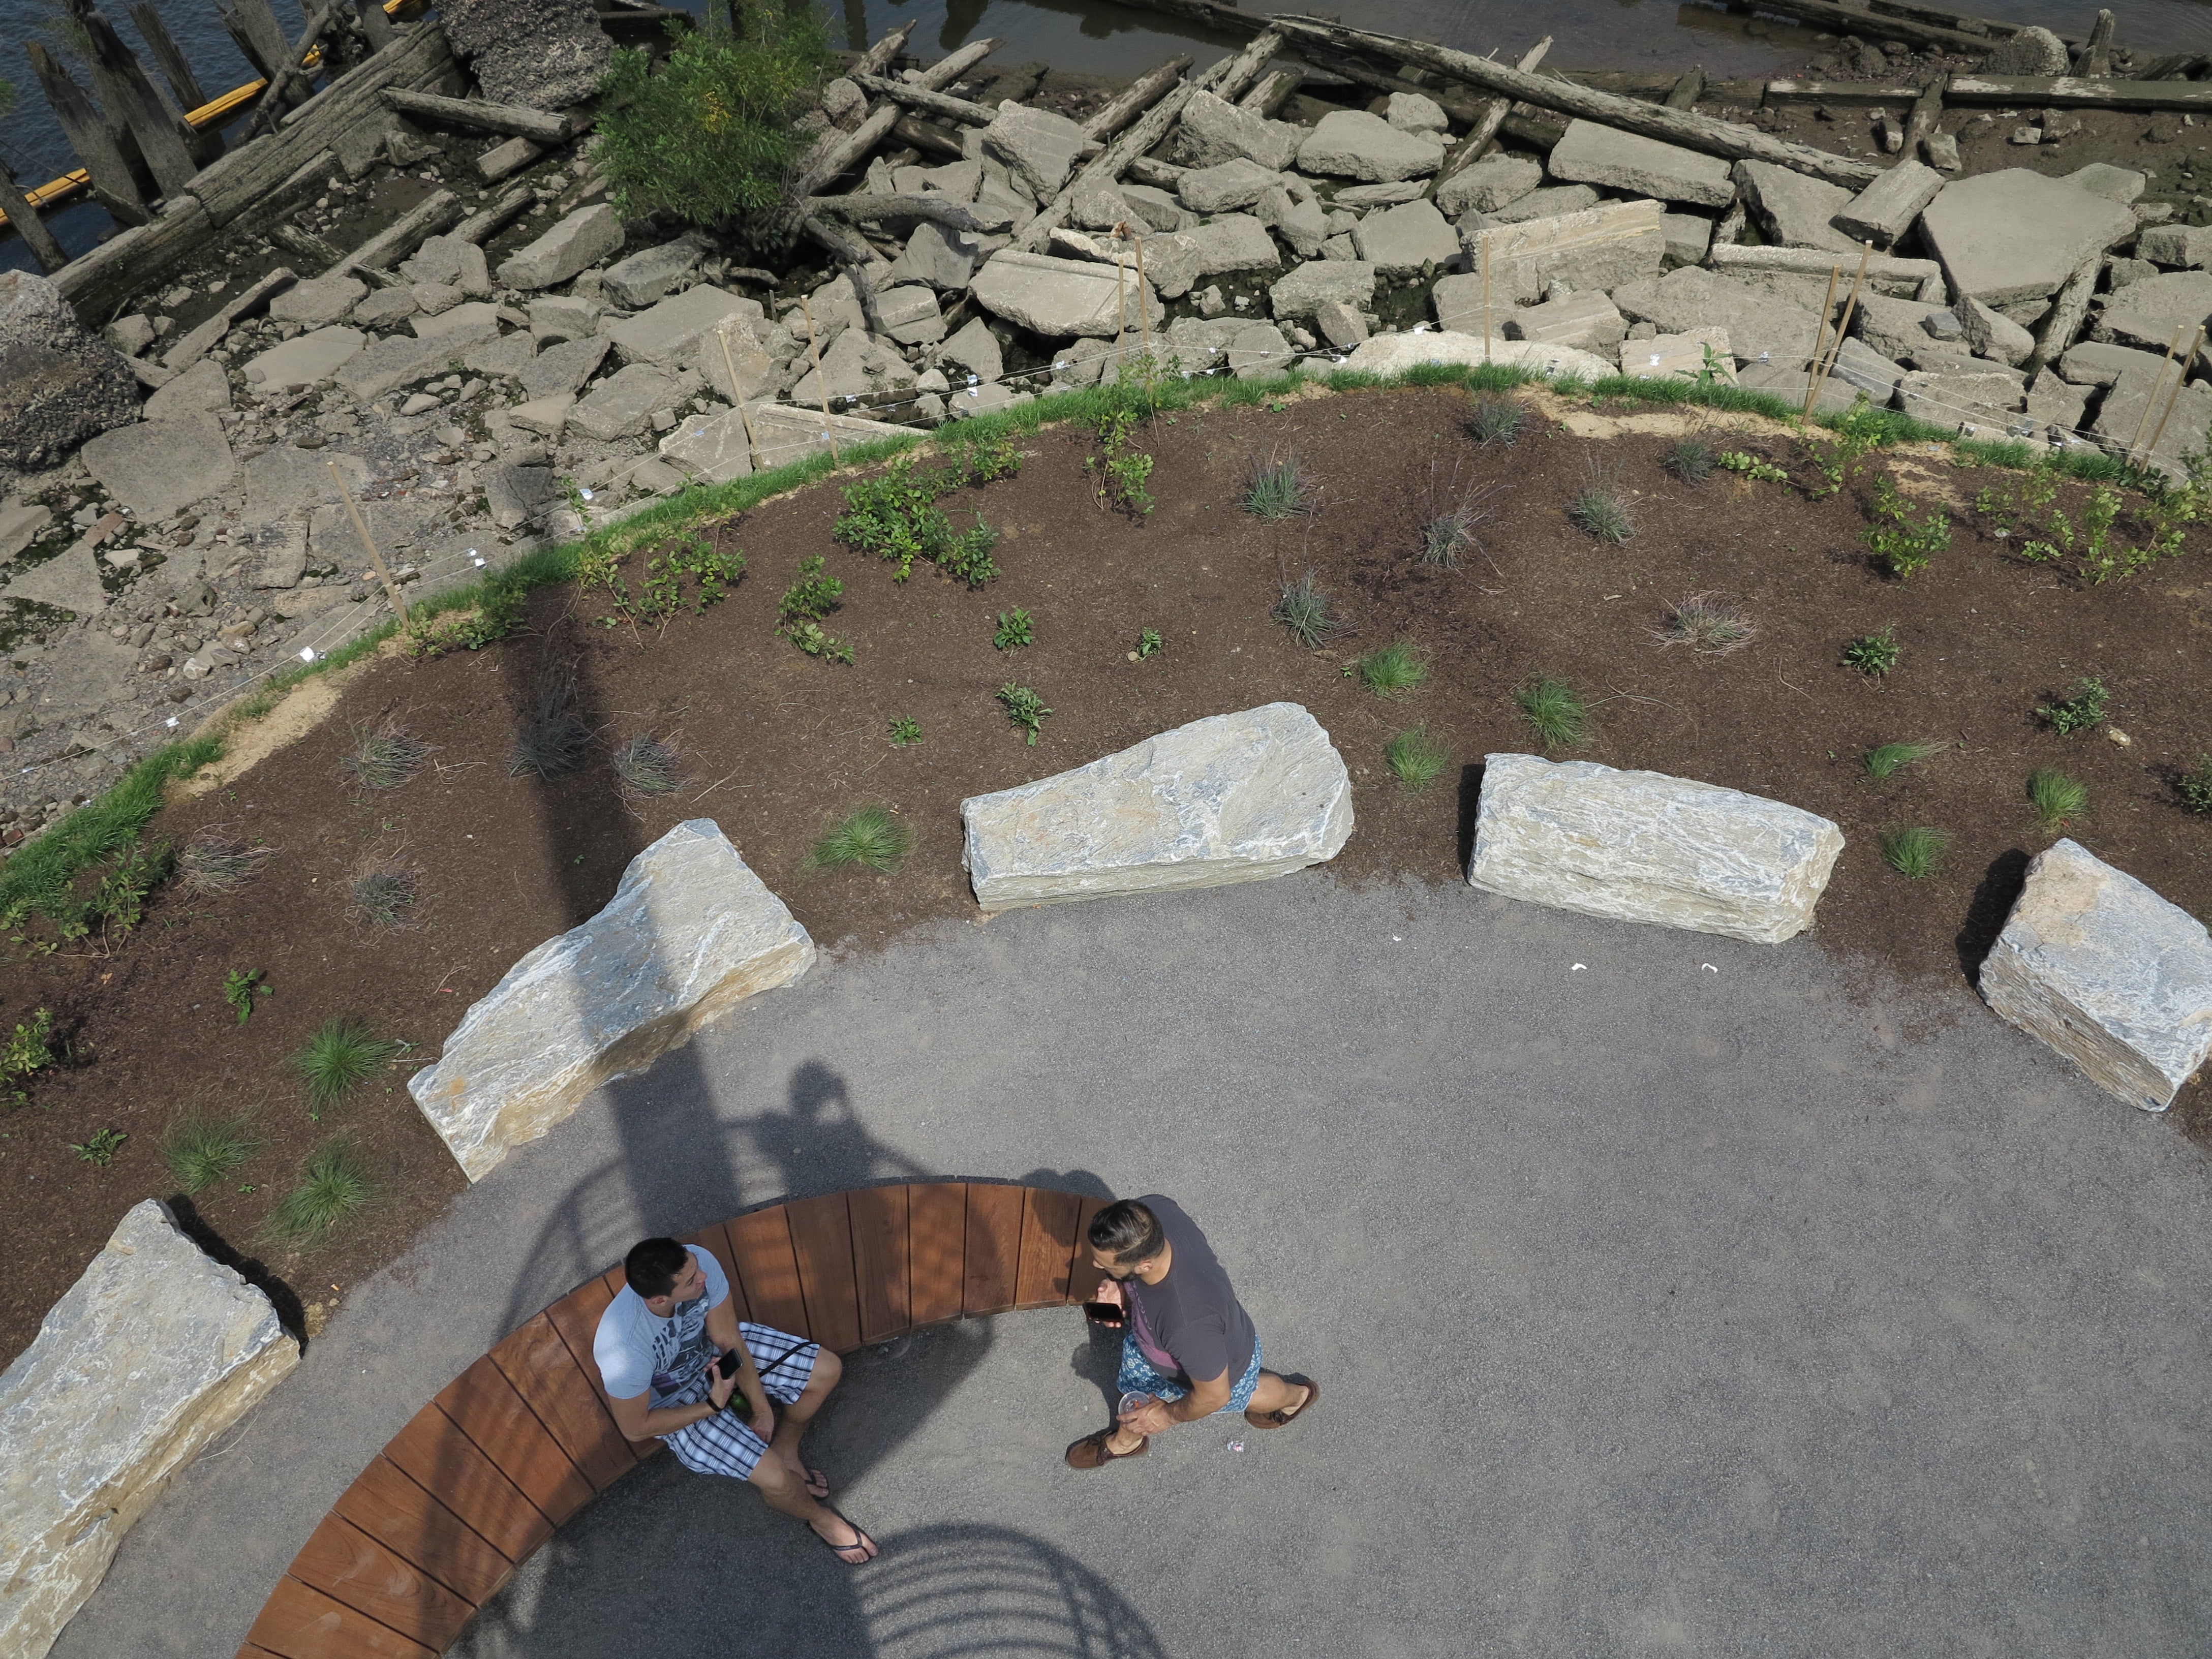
<point x="1092" y="1452"/>
<point x="1278" y="1419"/>
<point x="861" y="1540"/>
<point x="815" y="1478"/>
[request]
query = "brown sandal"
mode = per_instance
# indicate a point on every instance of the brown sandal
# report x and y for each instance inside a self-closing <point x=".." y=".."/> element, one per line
<point x="1278" y="1419"/>
<point x="1092" y="1452"/>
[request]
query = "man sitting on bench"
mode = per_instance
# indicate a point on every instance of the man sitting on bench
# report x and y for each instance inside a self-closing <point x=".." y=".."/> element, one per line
<point x="672" y="1352"/>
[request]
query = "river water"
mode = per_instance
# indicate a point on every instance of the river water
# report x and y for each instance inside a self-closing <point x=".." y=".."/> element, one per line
<point x="1099" y="37"/>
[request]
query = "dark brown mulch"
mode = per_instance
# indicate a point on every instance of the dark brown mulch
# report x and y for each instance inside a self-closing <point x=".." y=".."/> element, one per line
<point x="775" y="743"/>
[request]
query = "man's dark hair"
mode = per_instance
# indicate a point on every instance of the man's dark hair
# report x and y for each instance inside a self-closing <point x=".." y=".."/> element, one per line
<point x="1127" y="1231"/>
<point x="654" y="1265"/>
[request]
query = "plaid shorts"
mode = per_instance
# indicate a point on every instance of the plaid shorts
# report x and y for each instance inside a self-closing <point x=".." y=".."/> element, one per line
<point x="1140" y="1375"/>
<point x="724" y="1444"/>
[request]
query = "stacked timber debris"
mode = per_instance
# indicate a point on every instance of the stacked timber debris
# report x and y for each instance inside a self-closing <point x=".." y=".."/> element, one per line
<point x="510" y="361"/>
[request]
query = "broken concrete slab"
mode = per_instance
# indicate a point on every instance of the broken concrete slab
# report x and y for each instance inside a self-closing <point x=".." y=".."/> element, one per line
<point x="280" y="554"/>
<point x="910" y="315"/>
<point x="1643" y="847"/>
<point x="1956" y="398"/>
<point x="385" y="306"/>
<point x="69" y="581"/>
<point x="1601" y="247"/>
<point x="1351" y="143"/>
<point x="1494" y="182"/>
<point x="620" y="405"/>
<point x="204" y="388"/>
<point x="665" y="332"/>
<point x="1886" y="208"/>
<point x="1701" y="354"/>
<point x="547" y="415"/>
<point x="2053" y="402"/>
<point x="1224" y="187"/>
<point x="2122" y="184"/>
<point x="2120" y="418"/>
<point x="1893" y="327"/>
<point x="938" y="255"/>
<point x="1794" y="209"/>
<point x="734" y="348"/>
<point x="505" y="357"/>
<point x="565" y="367"/>
<point x="857" y="365"/>
<point x="637" y="280"/>
<point x="2090" y="364"/>
<point x="564" y="317"/>
<point x="580" y="240"/>
<point x="157" y="469"/>
<point x="1259" y="350"/>
<point x="2014" y="234"/>
<point x="712" y="448"/>
<point x="784" y="433"/>
<point x="282" y="481"/>
<point x="2183" y="247"/>
<point x="318" y="300"/>
<point x="1588" y="321"/>
<point x="1760" y="328"/>
<point x="1210" y="130"/>
<point x="2107" y="972"/>
<point x="302" y="361"/>
<point x="1176" y="264"/>
<point x="1235" y="797"/>
<point x="21" y="523"/>
<point x="1037" y="146"/>
<point x="512" y="493"/>
<point x="1992" y="334"/>
<point x="1395" y="354"/>
<point x="2152" y="312"/>
<point x="1349" y="282"/>
<point x="1060" y="298"/>
<point x="149" y="1356"/>
<point x="975" y="349"/>
<point x="398" y="359"/>
<point x="1591" y="154"/>
<point x="1552" y="201"/>
<point x="1406" y="238"/>
<point x="464" y="325"/>
<point x="1689" y="237"/>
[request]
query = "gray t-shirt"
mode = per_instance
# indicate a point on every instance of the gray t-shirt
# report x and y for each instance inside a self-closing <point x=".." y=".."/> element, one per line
<point x="1191" y="1321"/>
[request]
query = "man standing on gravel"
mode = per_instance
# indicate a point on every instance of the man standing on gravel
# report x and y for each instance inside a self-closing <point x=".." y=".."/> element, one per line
<point x="671" y="1353"/>
<point x="1189" y="1347"/>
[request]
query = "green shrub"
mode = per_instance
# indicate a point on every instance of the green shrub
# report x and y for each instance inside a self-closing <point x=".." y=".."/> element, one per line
<point x="100" y="1149"/>
<point x="871" y="835"/>
<point x="342" y="1055"/>
<point x="2195" y="786"/>
<point x="1555" y="709"/>
<point x="333" y="1183"/>
<point x="241" y="986"/>
<point x="1874" y="654"/>
<point x="30" y="1049"/>
<point x="1415" y="758"/>
<point x="712" y="138"/>
<point x="201" y="1151"/>
<point x="1890" y="757"/>
<point x="1914" y="852"/>
<point x="2079" y="712"/>
<point x="905" y="730"/>
<point x="1024" y="709"/>
<point x="2058" y="798"/>
<point x="895" y="517"/>
<point x="1307" y="611"/>
<point x="1893" y="537"/>
<point x="1149" y="644"/>
<point x="1393" y="670"/>
<point x="1754" y="467"/>
<point x="1016" y="628"/>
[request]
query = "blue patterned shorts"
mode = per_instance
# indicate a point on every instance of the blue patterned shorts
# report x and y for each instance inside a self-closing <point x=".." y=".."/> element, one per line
<point x="1140" y="1375"/>
<point x="723" y="1444"/>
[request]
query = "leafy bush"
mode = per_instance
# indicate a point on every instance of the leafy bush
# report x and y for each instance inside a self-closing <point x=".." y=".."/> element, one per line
<point x="895" y="517"/>
<point x="1890" y="757"/>
<point x="1393" y="670"/>
<point x="2079" y="712"/>
<point x="1902" y="545"/>
<point x="1555" y="709"/>
<point x="1307" y="611"/>
<point x="1754" y="467"/>
<point x="1914" y="852"/>
<point x="100" y="1149"/>
<point x="905" y="730"/>
<point x="2195" y="786"/>
<point x="1024" y="709"/>
<point x="1277" y="489"/>
<point x="1149" y="644"/>
<point x="1690" y="461"/>
<point x="1415" y="758"/>
<point x="1496" y="421"/>
<point x="342" y="1055"/>
<point x="712" y="138"/>
<point x="201" y="1151"/>
<point x="333" y="1183"/>
<point x="871" y="835"/>
<point x="2058" y="798"/>
<point x="1015" y="628"/>
<point x="1874" y="654"/>
<point x="241" y="986"/>
<point x="30" y="1049"/>
<point x="1706" y="625"/>
<point x="714" y="573"/>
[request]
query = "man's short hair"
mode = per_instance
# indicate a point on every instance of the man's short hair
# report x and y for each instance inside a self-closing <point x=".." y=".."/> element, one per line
<point x="1127" y="1231"/>
<point x="654" y="1265"/>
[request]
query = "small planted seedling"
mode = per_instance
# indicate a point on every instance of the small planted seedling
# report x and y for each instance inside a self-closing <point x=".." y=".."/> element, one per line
<point x="2082" y="711"/>
<point x="333" y="1183"/>
<point x="1415" y="758"/>
<point x="1891" y="757"/>
<point x="1709" y="626"/>
<point x="201" y="1151"/>
<point x="1902" y="545"/>
<point x="1690" y="461"/>
<point x="1600" y="509"/>
<point x="553" y="735"/>
<point x="648" y="765"/>
<point x="872" y="835"/>
<point x="1015" y="629"/>
<point x="2058" y="798"/>
<point x="1754" y="467"/>
<point x="384" y="755"/>
<point x="1555" y="709"/>
<point x="1024" y="709"/>
<point x="1149" y="644"/>
<point x="211" y="865"/>
<point x="803" y="607"/>
<point x="1495" y="423"/>
<point x="1307" y="611"/>
<point x="1914" y="852"/>
<point x="29" y="1050"/>
<point x="340" y="1056"/>
<point x="2195" y="786"/>
<point x="385" y="891"/>
<point x="101" y="1148"/>
<point x="241" y="986"/>
<point x="1874" y="654"/>
<point x="905" y="730"/>
<point x="1277" y="489"/>
<point x="1393" y="670"/>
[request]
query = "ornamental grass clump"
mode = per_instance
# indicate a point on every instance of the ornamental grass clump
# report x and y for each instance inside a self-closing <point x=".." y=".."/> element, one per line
<point x="1915" y="852"/>
<point x="1710" y="627"/>
<point x="384" y="892"/>
<point x="343" y="1054"/>
<point x="1393" y="670"/>
<point x="202" y="1149"/>
<point x="212" y="865"/>
<point x="1308" y="611"/>
<point x="1278" y="489"/>
<point x="2058" y="798"/>
<point x="648" y="765"/>
<point x="1691" y="461"/>
<point x="1415" y="758"/>
<point x="872" y="835"/>
<point x="1554" y="709"/>
<point x="1891" y="757"/>
<point x="333" y="1183"/>
<point x="1495" y="421"/>
<point x="384" y="755"/>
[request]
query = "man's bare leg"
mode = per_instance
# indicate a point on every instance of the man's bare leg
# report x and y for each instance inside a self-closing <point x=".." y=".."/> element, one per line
<point x="785" y="1491"/>
<point x="791" y="1420"/>
<point x="1270" y="1394"/>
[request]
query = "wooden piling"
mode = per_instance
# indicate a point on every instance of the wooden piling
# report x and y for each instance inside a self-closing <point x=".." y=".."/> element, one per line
<point x="25" y="219"/>
<point x="121" y="84"/>
<point x="114" y="184"/>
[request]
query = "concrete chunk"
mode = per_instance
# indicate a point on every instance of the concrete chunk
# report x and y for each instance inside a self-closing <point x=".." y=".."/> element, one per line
<point x="1886" y="208"/>
<point x="1036" y="146"/>
<point x="784" y="433"/>
<point x="1058" y="298"/>
<point x="1690" y="356"/>
<point x="1406" y="238"/>
<point x="2121" y="184"/>
<point x="1588" y="321"/>
<point x="398" y="359"/>
<point x="690" y="932"/>
<point x="2091" y="364"/>
<point x="2104" y="971"/>
<point x="1689" y="237"/>
<point x="665" y="331"/>
<point x="577" y="243"/>
<point x="151" y="1354"/>
<point x="1349" y="282"/>
<point x="1953" y="398"/>
<point x="1353" y="145"/>
<point x="318" y="300"/>
<point x="1759" y="328"/>
<point x="1494" y="182"/>
<point x="1893" y="327"/>
<point x="1591" y="154"/>
<point x="1553" y="202"/>
<point x="1395" y="354"/>
<point x="159" y="468"/>
<point x="302" y="360"/>
<point x="2175" y="247"/>
<point x="2120" y="418"/>
<point x="1794" y="209"/>
<point x="1992" y="334"/>
<point x="638" y="279"/>
<point x="620" y="405"/>
<point x="2017" y="235"/>
<point x="1645" y="847"/>
<point x="938" y="255"/>
<point x="1235" y="797"/>
<point x="565" y="367"/>
<point x="712" y="448"/>
<point x="1210" y="130"/>
<point x="2150" y="312"/>
<point x="1225" y="186"/>
<point x="1599" y="248"/>
<point x="204" y="388"/>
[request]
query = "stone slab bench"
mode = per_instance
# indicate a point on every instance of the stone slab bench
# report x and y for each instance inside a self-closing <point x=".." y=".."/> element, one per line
<point x="2114" y="977"/>
<point x="690" y="932"/>
<point x="154" y="1350"/>
<point x="1645" y="847"/>
<point x="1232" y="798"/>
<point x="523" y="1440"/>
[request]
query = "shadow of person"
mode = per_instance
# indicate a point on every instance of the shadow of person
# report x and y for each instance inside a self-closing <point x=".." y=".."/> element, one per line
<point x="818" y="1142"/>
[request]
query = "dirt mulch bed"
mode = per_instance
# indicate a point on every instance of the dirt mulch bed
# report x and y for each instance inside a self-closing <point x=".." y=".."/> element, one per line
<point x="773" y="744"/>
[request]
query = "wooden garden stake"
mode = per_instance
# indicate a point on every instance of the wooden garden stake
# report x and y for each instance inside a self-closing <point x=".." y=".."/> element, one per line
<point x="1484" y="238"/>
<point x="2155" y="387"/>
<point x="737" y="396"/>
<point x="391" y="587"/>
<point x="820" y="386"/>
<point x="1835" y="349"/>
<point x="1820" y="333"/>
<point x="2174" y="395"/>
<point x="1144" y="311"/>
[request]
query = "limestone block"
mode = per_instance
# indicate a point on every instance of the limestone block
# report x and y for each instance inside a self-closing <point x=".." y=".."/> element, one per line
<point x="565" y="367"/>
<point x="2147" y="313"/>
<point x="512" y="493"/>
<point x="910" y="315"/>
<point x="1236" y="241"/>
<point x="637" y="280"/>
<point x="664" y="333"/>
<point x="2014" y="234"/>
<point x="159" y="468"/>
<point x="712" y="448"/>
<point x="1234" y="797"/>
<point x="1793" y="209"/>
<point x="1553" y="202"/>
<point x="280" y="554"/>
<point x="784" y="433"/>
<point x="690" y="932"/>
<point x="386" y="305"/>
<point x="1588" y="321"/>
<point x="1394" y="354"/>
<point x="2112" y="976"/>
<point x="398" y="359"/>
<point x="1645" y="847"/>
<point x="1599" y="248"/>
<point x="1212" y="130"/>
<point x="153" y="1351"/>
<point x="1060" y="298"/>
<point x="1404" y="239"/>
<point x="1886" y="208"/>
<point x="1036" y="146"/>
<point x="578" y="242"/>
<point x="1354" y="144"/>
<point x="1591" y="154"/>
<point x="1494" y="182"/>
<point x="1348" y="281"/>
<point x="856" y="365"/>
<point x="1689" y="237"/>
<point x="204" y="388"/>
<point x="1412" y="111"/>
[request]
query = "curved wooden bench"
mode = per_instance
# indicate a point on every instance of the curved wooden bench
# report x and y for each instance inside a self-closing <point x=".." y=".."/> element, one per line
<point x="522" y="1439"/>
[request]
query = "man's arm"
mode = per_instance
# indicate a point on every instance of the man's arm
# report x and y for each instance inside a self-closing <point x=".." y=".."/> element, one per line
<point x="722" y="1330"/>
<point x="640" y="1420"/>
<point x="1203" y="1401"/>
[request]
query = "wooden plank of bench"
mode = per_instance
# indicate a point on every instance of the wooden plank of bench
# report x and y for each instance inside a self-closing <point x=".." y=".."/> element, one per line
<point x="348" y="1566"/>
<point x="880" y="1261"/>
<point x="1048" y="1247"/>
<point x="485" y="1406"/>
<point x="822" y="1239"/>
<point x="994" y="1249"/>
<point x="937" y="1254"/>
<point x="384" y="1503"/>
<point x="716" y="1240"/>
<point x="539" y="1364"/>
<point x="437" y="1457"/>
<point x="249" y="1651"/>
<point x="298" y="1622"/>
<point x="769" y="1268"/>
<point x="576" y="1318"/>
<point x="1083" y="1279"/>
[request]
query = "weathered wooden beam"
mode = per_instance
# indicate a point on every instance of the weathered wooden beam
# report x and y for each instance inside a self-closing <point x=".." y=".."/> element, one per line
<point x="946" y="70"/>
<point x="1686" y="91"/>
<point x="1135" y="99"/>
<point x="375" y="25"/>
<point x="865" y="207"/>
<point x="101" y="282"/>
<point x="1483" y="133"/>
<point x="295" y="73"/>
<point x="487" y="221"/>
<point x="1685" y="127"/>
<point x="176" y="68"/>
<point x="881" y="55"/>
<point x="121" y="83"/>
<point x="1927" y="111"/>
<point x="434" y="213"/>
<point x="2072" y="91"/>
<point x="841" y="150"/>
<point x="1869" y="23"/>
<point x="113" y="182"/>
<point x="2096" y="59"/>
<point x="943" y="105"/>
<point x="189" y="348"/>
<point x="24" y="219"/>
<point x="513" y="119"/>
<point x="909" y="130"/>
<point x="253" y="25"/>
<point x="1276" y="88"/>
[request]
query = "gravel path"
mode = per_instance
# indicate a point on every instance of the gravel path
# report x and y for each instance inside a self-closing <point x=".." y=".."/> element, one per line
<point x="1661" y="1311"/>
